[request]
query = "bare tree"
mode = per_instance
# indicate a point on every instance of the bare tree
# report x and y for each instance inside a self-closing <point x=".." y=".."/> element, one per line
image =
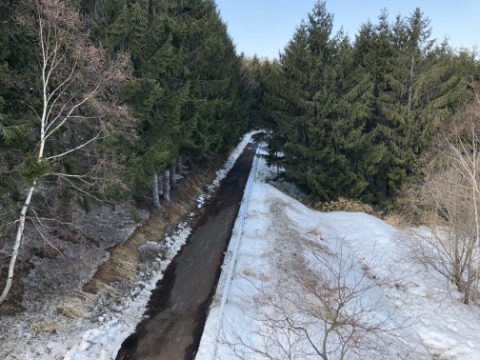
<point x="320" y="307"/>
<point x="72" y="77"/>
<point x="447" y="201"/>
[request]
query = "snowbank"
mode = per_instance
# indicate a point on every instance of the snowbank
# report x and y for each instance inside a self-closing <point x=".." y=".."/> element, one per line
<point x="422" y="315"/>
<point x="99" y="338"/>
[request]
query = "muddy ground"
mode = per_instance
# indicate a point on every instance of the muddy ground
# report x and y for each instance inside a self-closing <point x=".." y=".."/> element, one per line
<point x="177" y="309"/>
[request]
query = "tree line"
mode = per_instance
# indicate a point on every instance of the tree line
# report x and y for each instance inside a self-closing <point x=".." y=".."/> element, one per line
<point x="358" y="118"/>
<point x="106" y="99"/>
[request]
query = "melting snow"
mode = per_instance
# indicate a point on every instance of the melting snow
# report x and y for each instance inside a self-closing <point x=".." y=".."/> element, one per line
<point x="438" y="324"/>
<point x="422" y="308"/>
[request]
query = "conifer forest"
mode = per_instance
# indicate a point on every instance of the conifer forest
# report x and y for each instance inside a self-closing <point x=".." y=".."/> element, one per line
<point x="104" y="100"/>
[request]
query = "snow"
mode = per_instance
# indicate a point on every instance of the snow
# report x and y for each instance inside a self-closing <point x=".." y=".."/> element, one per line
<point x="103" y="342"/>
<point x="422" y="315"/>
<point x="99" y="338"/>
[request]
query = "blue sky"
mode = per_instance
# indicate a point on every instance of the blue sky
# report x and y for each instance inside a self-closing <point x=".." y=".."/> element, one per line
<point x="264" y="27"/>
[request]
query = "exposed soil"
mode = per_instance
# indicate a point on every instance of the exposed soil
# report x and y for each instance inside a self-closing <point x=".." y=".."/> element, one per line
<point x="177" y="308"/>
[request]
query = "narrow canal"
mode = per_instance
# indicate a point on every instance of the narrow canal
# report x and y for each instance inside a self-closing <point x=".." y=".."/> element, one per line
<point x="177" y="308"/>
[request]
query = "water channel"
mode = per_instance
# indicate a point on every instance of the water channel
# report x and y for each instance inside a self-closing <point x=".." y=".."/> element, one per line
<point x="178" y="306"/>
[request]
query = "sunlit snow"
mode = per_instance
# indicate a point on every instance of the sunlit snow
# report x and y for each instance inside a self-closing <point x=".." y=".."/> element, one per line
<point x="424" y="315"/>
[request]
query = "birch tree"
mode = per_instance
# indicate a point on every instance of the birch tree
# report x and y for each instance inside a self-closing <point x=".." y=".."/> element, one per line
<point x="71" y="79"/>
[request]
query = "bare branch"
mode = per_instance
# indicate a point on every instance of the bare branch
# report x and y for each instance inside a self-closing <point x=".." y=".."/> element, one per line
<point x="96" y="137"/>
<point x="317" y="305"/>
<point x="72" y="70"/>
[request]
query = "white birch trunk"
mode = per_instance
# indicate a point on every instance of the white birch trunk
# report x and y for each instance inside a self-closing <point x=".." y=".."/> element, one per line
<point x="166" y="186"/>
<point x="179" y="164"/>
<point x="173" y="176"/>
<point x="155" y="194"/>
<point x="160" y="184"/>
<point x="18" y="241"/>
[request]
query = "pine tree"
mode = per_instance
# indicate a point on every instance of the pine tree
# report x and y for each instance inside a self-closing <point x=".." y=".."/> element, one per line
<point x="267" y="107"/>
<point x="187" y="90"/>
<point x="378" y="160"/>
<point x="357" y="119"/>
<point x="17" y="66"/>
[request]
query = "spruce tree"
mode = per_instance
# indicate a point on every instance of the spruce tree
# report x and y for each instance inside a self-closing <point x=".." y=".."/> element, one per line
<point x="313" y="121"/>
<point x="187" y="87"/>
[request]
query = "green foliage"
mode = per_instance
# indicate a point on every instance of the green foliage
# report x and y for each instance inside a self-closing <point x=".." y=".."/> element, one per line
<point x="356" y="119"/>
<point x="187" y="91"/>
<point x="31" y="170"/>
<point x="349" y="119"/>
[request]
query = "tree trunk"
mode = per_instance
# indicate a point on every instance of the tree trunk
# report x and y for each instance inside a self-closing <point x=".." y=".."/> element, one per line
<point x="160" y="184"/>
<point x="18" y="241"/>
<point x="179" y="164"/>
<point x="476" y="242"/>
<point x="155" y="194"/>
<point x="166" y="186"/>
<point x="173" y="176"/>
<point x="410" y="86"/>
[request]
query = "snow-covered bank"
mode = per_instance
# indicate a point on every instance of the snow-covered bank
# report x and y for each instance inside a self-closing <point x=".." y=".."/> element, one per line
<point x="100" y="337"/>
<point x="418" y="314"/>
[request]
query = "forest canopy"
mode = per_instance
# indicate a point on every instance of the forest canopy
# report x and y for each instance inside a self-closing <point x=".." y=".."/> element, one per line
<point x="357" y="118"/>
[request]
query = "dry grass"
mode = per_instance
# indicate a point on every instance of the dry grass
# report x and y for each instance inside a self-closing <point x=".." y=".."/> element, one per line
<point x="396" y="220"/>
<point x="74" y="308"/>
<point x="342" y="204"/>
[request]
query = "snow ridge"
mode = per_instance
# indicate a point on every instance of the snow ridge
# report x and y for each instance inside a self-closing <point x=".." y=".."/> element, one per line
<point x="233" y="247"/>
<point x="439" y="325"/>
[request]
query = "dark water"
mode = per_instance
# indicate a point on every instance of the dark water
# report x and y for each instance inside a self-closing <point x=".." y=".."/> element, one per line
<point x="177" y="308"/>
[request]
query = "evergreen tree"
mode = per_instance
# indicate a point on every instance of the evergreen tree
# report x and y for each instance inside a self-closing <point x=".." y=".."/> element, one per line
<point x="17" y="65"/>
<point x="188" y="87"/>
<point x="267" y="107"/>
<point x="374" y="54"/>
<point x="217" y="85"/>
<point x="313" y="120"/>
<point x="356" y="120"/>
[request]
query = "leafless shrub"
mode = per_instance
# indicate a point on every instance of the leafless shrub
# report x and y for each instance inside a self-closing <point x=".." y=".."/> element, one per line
<point x="447" y="202"/>
<point x="320" y="306"/>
